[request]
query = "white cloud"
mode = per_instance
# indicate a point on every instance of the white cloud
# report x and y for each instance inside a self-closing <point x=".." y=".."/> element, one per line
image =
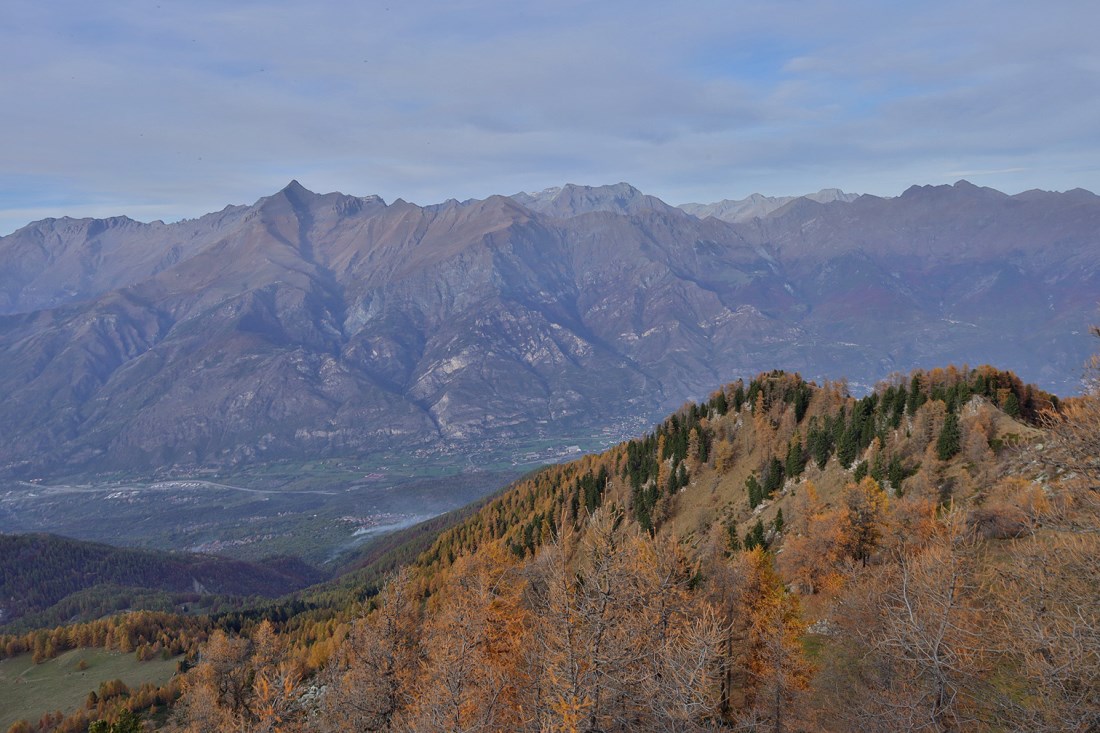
<point x="183" y="107"/>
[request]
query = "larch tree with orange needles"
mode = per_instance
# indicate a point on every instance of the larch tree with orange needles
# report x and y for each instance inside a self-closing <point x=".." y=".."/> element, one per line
<point x="369" y="681"/>
<point x="474" y="676"/>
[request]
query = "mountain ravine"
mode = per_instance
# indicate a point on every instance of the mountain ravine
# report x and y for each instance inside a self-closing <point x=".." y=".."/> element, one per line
<point x="312" y="325"/>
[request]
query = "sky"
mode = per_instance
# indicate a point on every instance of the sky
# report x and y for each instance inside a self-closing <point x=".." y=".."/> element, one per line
<point x="168" y="110"/>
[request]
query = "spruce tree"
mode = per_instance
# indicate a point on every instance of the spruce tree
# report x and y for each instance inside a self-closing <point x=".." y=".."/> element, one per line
<point x="895" y="474"/>
<point x="802" y="398"/>
<point x="733" y="544"/>
<point x="719" y="402"/>
<point x="739" y="397"/>
<point x="795" y="461"/>
<point x="755" y="537"/>
<point x="950" y="439"/>
<point x="847" y="447"/>
<point x="756" y="493"/>
<point x="899" y="407"/>
<point x="773" y="481"/>
<point x="916" y="397"/>
<point x="820" y="446"/>
<point x="877" y="470"/>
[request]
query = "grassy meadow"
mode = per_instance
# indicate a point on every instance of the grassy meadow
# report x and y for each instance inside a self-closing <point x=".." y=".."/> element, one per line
<point x="29" y="690"/>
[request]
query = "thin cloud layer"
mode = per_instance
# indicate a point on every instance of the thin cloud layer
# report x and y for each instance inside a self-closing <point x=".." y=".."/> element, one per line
<point x="172" y="110"/>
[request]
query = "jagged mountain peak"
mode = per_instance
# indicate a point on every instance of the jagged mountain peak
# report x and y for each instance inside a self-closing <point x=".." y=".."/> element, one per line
<point x="574" y="199"/>
<point x="301" y="203"/>
<point x="295" y="187"/>
<point x="295" y="193"/>
<point x="828" y="195"/>
<point x="802" y="206"/>
<point x="958" y="191"/>
<point x="934" y="189"/>
<point x="355" y="324"/>
<point x="757" y="205"/>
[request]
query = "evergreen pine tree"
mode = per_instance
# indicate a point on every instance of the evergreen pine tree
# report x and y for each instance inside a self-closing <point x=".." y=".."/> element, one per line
<point x="754" y="390"/>
<point x="847" y="447"/>
<point x="756" y="493"/>
<point x="895" y="474"/>
<point x="916" y="397"/>
<point x="773" y="480"/>
<point x="877" y="470"/>
<point x="795" y="461"/>
<point x="950" y="439"/>
<point x="733" y="544"/>
<point x="738" y="397"/>
<point x="755" y="536"/>
<point x="802" y="401"/>
<point x="899" y="407"/>
<point x="820" y="447"/>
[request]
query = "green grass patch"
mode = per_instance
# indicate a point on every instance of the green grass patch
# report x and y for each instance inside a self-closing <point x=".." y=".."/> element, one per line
<point x="814" y="646"/>
<point x="29" y="690"/>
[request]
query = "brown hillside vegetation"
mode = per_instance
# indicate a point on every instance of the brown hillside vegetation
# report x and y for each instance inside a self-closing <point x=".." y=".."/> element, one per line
<point x="782" y="557"/>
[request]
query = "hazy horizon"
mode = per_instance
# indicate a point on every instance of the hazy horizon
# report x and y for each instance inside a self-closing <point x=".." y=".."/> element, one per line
<point x="360" y="194"/>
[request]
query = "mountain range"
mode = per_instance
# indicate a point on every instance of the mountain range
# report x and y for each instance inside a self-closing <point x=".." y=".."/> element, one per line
<point x="310" y="325"/>
<point x="758" y="205"/>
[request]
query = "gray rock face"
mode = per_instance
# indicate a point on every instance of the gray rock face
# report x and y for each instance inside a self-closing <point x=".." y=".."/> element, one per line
<point x="571" y="200"/>
<point x="757" y="205"/>
<point x="313" y="325"/>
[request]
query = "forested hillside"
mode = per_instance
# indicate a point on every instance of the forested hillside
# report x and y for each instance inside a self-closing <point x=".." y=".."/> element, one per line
<point x="47" y="580"/>
<point x="780" y="557"/>
<point x="764" y="560"/>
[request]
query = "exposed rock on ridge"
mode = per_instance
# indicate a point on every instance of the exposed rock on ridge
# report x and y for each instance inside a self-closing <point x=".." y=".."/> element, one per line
<point x="312" y="325"/>
<point x="757" y="205"/>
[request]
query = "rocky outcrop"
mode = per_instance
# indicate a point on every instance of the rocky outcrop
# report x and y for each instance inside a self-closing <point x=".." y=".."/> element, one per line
<point x="311" y="325"/>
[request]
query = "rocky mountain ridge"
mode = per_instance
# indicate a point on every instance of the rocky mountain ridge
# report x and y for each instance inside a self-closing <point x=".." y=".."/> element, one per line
<point x="313" y="325"/>
<point x="758" y="205"/>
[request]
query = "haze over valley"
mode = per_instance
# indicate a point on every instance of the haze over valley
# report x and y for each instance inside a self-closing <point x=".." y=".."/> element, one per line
<point x="326" y="347"/>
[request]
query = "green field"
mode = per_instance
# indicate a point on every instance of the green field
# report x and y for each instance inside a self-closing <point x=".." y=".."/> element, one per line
<point x="28" y="690"/>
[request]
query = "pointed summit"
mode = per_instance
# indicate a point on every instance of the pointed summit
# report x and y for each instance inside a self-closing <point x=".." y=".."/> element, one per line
<point x="292" y="202"/>
<point x="295" y="189"/>
<point x="292" y="194"/>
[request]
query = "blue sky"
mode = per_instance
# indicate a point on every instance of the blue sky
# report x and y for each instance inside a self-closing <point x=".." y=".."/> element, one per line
<point x="173" y="109"/>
